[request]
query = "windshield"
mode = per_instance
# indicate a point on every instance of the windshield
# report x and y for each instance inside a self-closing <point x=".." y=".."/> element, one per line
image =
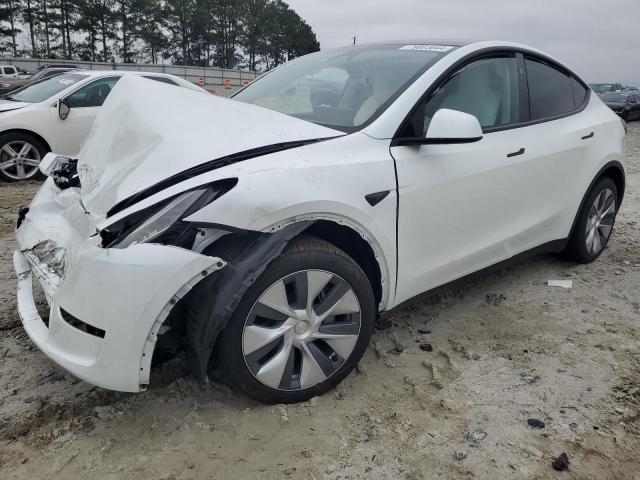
<point x="344" y="88"/>
<point x="614" y="97"/>
<point x="40" y="91"/>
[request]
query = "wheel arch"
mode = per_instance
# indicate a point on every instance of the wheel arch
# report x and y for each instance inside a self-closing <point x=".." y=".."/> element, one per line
<point x="356" y="246"/>
<point x="29" y="132"/>
<point x="355" y="240"/>
<point x="613" y="170"/>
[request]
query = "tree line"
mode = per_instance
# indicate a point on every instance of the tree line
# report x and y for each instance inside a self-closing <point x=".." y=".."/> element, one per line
<point x="253" y="34"/>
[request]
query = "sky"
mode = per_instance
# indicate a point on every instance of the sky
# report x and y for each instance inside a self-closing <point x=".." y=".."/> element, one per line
<point x="598" y="39"/>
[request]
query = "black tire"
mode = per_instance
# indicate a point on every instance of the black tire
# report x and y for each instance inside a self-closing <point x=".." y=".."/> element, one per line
<point x="577" y="247"/>
<point x="304" y="253"/>
<point x="42" y="149"/>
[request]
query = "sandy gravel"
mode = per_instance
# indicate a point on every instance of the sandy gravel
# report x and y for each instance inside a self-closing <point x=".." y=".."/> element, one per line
<point x="505" y="349"/>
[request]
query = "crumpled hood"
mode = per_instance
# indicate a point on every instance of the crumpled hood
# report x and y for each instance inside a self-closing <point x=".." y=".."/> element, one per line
<point x="148" y="131"/>
<point x="8" y="105"/>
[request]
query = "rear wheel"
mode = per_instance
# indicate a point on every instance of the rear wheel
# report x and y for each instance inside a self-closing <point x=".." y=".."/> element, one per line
<point x="595" y="222"/>
<point x="20" y="156"/>
<point x="301" y="328"/>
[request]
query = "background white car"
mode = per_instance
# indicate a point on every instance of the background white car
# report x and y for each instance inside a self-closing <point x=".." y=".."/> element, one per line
<point x="31" y="124"/>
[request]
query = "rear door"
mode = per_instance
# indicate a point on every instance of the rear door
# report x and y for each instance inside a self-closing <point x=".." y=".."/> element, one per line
<point x="563" y="135"/>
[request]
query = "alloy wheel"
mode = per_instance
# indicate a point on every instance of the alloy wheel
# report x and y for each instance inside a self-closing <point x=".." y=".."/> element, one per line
<point x="19" y="160"/>
<point x="301" y="330"/>
<point x="600" y="221"/>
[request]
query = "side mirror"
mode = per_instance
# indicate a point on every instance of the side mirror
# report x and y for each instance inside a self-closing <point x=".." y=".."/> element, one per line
<point x="452" y="126"/>
<point x="448" y="126"/>
<point x="63" y="109"/>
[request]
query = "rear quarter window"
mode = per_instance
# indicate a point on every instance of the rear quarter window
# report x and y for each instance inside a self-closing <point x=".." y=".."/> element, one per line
<point x="579" y="93"/>
<point x="550" y="90"/>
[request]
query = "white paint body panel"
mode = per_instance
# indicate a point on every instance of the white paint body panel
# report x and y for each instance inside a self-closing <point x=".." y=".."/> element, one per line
<point x="457" y="207"/>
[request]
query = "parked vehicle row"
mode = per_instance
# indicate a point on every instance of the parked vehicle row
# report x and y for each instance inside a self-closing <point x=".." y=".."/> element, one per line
<point x="56" y="113"/>
<point x="626" y="105"/>
<point x="622" y="99"/>
<point x="8" y="85"/>
<point x="606" y="87"/>
<point x="264" y="233"/>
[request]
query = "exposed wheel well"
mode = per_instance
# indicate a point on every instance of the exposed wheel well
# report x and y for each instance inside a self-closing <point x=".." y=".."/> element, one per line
<point x="617" y="175"/>
<point x="28" y="132"/>
<point x="352" y="243"/>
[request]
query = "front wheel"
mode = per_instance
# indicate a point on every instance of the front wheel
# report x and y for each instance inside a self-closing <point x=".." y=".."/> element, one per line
<point x="595" y="222"/>
<point x="301" y="328"/>
<point x="20" y="156"/>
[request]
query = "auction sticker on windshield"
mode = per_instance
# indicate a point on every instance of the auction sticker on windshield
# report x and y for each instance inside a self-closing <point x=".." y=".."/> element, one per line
<point x="428" y="48"/>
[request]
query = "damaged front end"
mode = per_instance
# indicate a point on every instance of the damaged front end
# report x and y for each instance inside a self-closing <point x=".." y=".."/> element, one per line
<point x="106" y="305"/>
<point x="107" y="236"/>
<point x="110" y="290"/>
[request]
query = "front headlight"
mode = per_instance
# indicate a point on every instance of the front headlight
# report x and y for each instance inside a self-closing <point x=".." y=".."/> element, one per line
<point x="162" y="223"/>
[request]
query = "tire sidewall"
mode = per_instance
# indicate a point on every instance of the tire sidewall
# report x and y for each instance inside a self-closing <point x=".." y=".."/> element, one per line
<point x="579" y="240"/>
<point x="230" y="343"/>
<point x="17" y="136"/>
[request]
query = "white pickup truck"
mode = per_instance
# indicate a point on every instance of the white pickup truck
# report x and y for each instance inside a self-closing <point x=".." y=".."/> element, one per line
<point x="9" y="71"/>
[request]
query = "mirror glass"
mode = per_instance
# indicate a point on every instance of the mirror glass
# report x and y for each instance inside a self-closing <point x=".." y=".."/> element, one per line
<point x="63" y="109"/>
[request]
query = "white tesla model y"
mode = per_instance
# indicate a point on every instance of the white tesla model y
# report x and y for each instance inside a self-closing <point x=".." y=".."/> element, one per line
<point x="262" y="235"/>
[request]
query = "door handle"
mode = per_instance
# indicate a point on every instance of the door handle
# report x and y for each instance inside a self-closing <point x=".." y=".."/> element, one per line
<point x="515" y="154"/>
<point x="587" y="137"/>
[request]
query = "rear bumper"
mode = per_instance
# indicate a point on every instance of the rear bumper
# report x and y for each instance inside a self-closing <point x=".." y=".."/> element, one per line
<point x="105" y="305"/>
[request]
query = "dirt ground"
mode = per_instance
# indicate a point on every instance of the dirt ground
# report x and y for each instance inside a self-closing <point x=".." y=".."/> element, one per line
<point x="505" y="349"/>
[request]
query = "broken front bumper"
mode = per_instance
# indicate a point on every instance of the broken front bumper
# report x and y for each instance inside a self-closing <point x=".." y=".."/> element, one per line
<point x="105" y="305"/>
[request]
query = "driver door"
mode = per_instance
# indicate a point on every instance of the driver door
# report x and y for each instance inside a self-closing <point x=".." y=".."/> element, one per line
<point x="464" y="206"/>
<point x="85" y="103"/>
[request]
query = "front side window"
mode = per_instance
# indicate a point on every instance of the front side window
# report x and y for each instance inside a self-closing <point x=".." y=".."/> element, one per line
<point x="550" y="91"/>
<point x="344" y="88"/>
<point x="93" y="94"/>
<point x="488" y="89"/>
<point x="9" y="70"/>
<point x="41" y="91"/>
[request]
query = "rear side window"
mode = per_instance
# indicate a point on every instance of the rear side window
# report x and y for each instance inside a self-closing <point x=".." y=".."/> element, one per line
<point x="550" y="90"/>
<point x="579" y="93"/>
